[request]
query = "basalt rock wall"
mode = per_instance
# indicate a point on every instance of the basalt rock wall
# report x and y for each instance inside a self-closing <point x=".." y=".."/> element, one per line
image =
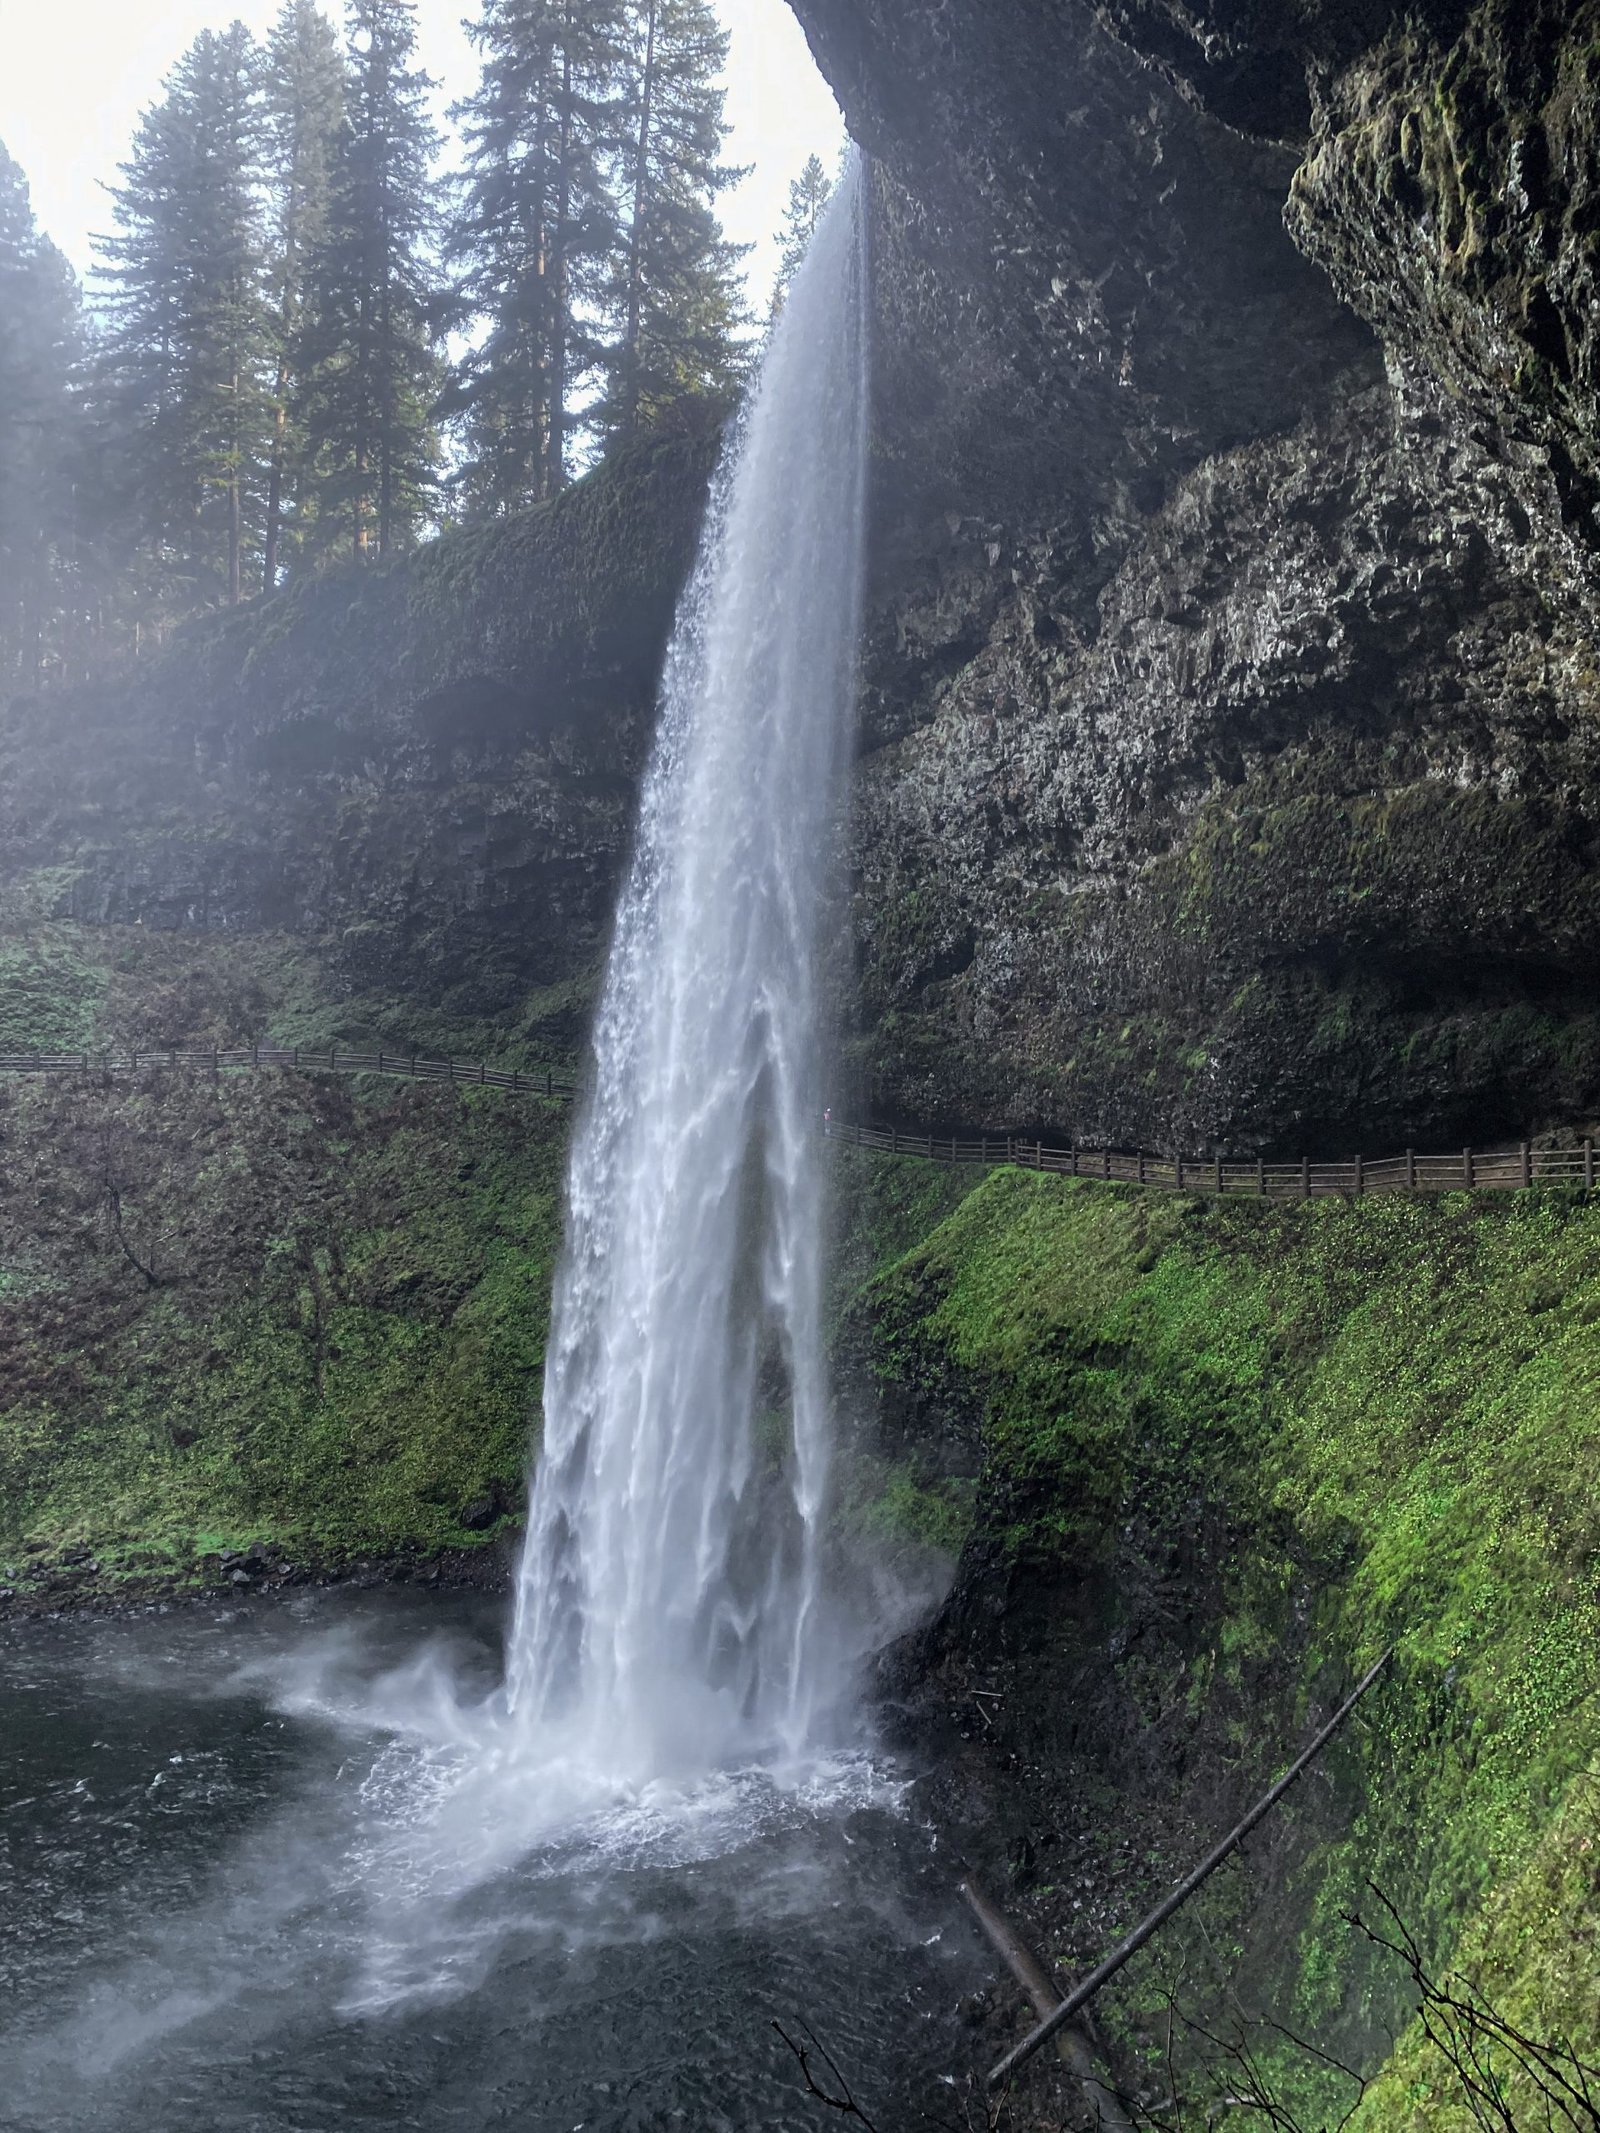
<point x="1231" y="713"/>
<point x="426" y="770"/>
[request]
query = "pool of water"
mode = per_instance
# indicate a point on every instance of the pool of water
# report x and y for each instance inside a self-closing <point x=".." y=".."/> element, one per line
<point x="260" y="1873"/>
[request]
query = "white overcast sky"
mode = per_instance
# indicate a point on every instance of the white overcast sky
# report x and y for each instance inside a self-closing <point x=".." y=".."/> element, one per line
<point x="75" y="74"/>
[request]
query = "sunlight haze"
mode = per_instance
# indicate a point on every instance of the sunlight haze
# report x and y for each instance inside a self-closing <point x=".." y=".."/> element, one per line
<point x="75" y="76"/>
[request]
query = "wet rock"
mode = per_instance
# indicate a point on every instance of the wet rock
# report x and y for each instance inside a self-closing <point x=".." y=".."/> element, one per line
<point x="1229" y="777"/>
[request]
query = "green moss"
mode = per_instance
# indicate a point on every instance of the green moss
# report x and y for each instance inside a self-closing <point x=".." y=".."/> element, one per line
<point x="51" y="991"/>
<point x="1394" y="1411"/>
<point x="342" y="1347"/>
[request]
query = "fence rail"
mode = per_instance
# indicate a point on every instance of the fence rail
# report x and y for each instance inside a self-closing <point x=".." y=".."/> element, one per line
<point x="409" y="1066"/>
<point x="1469" y="1170"/>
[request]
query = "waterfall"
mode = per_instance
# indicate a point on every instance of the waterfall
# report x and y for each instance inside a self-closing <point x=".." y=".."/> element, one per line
<point x="670" y="1605"/>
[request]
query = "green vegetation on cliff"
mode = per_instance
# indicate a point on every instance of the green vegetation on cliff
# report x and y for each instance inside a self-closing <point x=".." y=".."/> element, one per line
<point x="1230" y="1454"/>
<point x="1202" y="1460"/>
<point x="267" y="1308"/>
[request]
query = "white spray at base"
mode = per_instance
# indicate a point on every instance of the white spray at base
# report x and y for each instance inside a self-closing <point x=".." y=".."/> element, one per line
<point x="670" y="1607"/>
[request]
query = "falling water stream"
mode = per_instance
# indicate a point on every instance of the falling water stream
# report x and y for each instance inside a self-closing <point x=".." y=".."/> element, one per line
<point x="669" y="1604"/>
<point x="349" y="1861"/>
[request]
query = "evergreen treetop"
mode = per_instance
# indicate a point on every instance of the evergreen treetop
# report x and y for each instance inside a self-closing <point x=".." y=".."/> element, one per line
<point x="365" y="347"/>
<point x="40" y="349"/>
<point x="677" y="289"/>
<point x="536" y="230"/>
<point x="186" y="350"/>
<point x="808" y="196"/>
<point x="303" y="94"/>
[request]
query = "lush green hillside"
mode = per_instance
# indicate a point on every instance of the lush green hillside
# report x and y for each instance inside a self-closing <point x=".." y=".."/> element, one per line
<point x="1229" y="1455"/>
<point x="270" y="1308"/>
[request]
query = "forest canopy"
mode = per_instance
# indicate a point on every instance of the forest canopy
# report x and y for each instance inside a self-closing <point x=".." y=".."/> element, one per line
<point x="304" y="343"/>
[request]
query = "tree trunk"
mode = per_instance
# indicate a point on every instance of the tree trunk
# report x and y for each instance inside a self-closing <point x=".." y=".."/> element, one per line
<point x="560" y="321"/>
<point x="386" y="391"/>
<point x="641" y="193"/>
<point x="280" y="428"/>
<point x="235" y="505"/>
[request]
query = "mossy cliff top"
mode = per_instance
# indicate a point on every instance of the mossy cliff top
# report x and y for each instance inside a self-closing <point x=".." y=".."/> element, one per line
<point x="425" y="771"/>
<point x="1227" y="1456"/>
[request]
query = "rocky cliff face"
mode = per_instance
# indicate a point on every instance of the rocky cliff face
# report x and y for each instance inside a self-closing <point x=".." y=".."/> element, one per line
<point x="426" y="771"/>
<point x="1231" y="693"/>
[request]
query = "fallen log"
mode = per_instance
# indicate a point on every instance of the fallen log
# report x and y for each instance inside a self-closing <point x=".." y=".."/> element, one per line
<point x="1082" y="1994"/>
<point x="1073" y="2043"/>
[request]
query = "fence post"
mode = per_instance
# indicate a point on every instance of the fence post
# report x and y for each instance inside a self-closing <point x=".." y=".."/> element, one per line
<point x="549" y="1081"/>
<point x="1219" y="1177"/>
<point x="1361" y="1177"/>
<point x="1588" y="1166"/>
<point x="1305" y="1177"/>
<point x="1141" y="1166"/>
<point x="1105" y="1162"/>
<point x="930" y="1145"/>
<point x="1467" y="1168"/>
<point x="483" y="1069"/>
<point x="1038" y="1155"/>
<point x="894" y="1140"/>
<point x="1411" y="1170"/>
<point x="1177" y="1173"/>
<point x="1527" y="1164"/>
<point x="1261" y="1177"/>
<point x="1074" y="1153"/>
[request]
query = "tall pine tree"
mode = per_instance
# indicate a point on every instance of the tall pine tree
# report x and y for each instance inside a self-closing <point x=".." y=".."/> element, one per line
<point x="808" y="196"/>
<point x="303" y="89"/>
<point x="186" y="355"/>
<point x="366" y="341"/>
<point x="677" y="291"/>
<point x="39" y="351"/>
<point x="534" y="241"/>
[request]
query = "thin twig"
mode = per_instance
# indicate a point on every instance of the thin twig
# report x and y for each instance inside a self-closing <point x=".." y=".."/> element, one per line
<point x="844" y="2102"/>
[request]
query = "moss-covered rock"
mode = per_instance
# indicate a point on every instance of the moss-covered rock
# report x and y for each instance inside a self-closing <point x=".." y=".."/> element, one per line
<point x="267" y="1309"/>
<point x="1229" y="1455"/>
<point x="1451" y="189"/>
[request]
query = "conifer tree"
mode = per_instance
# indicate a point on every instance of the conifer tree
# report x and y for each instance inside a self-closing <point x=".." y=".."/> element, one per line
<point x="677" y="292"/>
<point x="366" y="341"/>
<point x="186" y="353"/>
<point x="533" y="244"/>
<point x="808" y="196"/>
<point x="303" y="86"/>
<point x="39" y="351"/>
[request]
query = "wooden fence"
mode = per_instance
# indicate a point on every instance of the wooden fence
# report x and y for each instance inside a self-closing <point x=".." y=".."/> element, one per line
<point x="410" y="1066"/>
<point x="1470" y="1170"/>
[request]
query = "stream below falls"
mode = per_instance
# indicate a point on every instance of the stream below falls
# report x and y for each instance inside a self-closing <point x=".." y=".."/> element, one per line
<point x="233" y="1899"/>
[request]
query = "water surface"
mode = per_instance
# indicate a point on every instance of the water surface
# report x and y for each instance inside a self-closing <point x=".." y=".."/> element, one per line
<point x="251" y="1878"/>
